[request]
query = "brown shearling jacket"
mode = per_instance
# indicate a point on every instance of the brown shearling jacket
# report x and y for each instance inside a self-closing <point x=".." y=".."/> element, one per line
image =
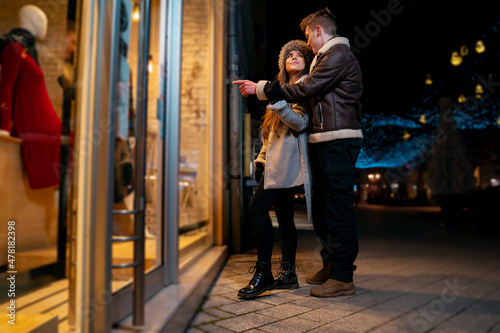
<point x="334" y="88"/>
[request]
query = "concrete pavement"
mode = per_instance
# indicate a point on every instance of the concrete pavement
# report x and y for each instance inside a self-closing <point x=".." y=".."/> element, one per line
<point x="412" y="276"/>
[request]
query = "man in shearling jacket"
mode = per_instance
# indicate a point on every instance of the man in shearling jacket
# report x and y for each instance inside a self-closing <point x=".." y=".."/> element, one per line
<point x="334" y="88"/>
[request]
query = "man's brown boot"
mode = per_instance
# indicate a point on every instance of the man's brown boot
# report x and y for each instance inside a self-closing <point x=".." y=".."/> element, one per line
<point x="320" y="276"/>
<point x="333" y="288"/>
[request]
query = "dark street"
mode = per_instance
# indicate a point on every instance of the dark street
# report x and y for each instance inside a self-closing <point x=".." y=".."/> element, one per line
<point x="413" y="275"/>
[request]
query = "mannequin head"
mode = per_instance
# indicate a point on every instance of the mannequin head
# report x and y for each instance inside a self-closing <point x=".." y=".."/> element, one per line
<point x="33" y="19"/>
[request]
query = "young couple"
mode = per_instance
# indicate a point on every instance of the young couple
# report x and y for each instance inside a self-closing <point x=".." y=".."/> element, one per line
<point x="324" y="123"/>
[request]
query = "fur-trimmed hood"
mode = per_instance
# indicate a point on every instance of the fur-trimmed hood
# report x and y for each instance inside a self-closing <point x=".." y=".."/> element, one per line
<point x="294" y="45"/>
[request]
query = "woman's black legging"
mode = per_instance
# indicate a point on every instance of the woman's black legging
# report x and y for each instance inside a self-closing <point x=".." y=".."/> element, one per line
<point x="261" y="203"/>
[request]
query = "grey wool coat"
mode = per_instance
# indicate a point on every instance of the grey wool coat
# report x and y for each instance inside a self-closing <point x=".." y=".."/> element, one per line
<point x="285" y="153"/>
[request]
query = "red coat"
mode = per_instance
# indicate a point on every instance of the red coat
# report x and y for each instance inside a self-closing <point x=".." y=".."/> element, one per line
<point x="27" y="112"/>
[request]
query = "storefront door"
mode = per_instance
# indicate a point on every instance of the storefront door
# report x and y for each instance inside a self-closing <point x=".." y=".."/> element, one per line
<point x="119" y="235"/>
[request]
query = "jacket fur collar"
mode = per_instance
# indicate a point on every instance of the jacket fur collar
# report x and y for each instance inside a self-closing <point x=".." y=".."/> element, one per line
<point x="331" y="42"/>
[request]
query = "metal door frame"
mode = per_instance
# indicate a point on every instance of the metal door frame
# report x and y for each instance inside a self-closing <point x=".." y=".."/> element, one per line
<point x="98" y="47"/>
<point x="173" y="58"/>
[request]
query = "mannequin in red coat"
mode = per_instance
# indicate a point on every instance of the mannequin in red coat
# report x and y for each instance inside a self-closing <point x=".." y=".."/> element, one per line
<point x="25" y="107"/>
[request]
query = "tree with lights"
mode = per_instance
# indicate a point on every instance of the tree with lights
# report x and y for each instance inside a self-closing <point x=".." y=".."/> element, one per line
<point x="450" y="176"/>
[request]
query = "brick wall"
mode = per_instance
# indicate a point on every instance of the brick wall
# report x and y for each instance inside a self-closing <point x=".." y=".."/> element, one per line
<point x="195" y="63"/>
<point x="195" y="101"/>
<point x="51" y="49"/>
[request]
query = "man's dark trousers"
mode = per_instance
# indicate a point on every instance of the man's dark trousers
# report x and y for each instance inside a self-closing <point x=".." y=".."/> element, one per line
<point x="333" y="165"/>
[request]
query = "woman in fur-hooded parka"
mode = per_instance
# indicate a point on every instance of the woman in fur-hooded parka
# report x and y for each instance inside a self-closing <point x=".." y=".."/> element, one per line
<point x="284" y="153"/>
<point x="284" y="164"/>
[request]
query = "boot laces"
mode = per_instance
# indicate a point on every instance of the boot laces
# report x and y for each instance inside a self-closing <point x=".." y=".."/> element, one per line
<point x="254" y="269"/>
<point x="282" y="269"/>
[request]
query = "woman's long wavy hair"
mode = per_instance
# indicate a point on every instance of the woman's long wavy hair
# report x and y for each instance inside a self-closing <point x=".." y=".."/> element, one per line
<point x="270" y="121"/>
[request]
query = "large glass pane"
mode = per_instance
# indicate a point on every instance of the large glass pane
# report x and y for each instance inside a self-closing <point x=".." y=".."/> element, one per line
<point x="37" y="112"/>
<point x="154" y="144"/>
<point x="36" y="69"/>
<point x="195" y="224"/>
<point x="123" y="224"/>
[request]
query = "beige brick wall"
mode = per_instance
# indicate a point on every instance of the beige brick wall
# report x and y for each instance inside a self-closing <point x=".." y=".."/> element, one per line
<point x="51" y="49"/>
<point x="195" y="100"/>
<point x="195" y="63"/>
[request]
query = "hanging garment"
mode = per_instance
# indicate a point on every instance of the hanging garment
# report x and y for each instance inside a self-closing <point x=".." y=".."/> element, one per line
<point x="26" y="112"/>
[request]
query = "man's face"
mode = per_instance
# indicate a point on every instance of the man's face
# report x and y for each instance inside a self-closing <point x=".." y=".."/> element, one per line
<point x="313" y="40"/>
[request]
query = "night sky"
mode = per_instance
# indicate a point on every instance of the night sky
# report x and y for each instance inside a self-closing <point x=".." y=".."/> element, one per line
<point x="416" y="39"/>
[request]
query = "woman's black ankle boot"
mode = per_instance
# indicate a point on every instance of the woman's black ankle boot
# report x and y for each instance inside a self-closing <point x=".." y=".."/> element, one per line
<point x="286" y="278"/>
<point x="262" y="281"/>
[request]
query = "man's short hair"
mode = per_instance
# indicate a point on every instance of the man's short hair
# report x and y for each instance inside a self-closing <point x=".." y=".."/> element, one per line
<point x="324" y="18"/>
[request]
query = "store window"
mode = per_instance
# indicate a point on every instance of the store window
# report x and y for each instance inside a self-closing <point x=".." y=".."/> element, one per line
<point x="195" y="224"/>
<point x="37" y="113"/>
<point x="37" y="49"/>
<point x="38" y="123"/>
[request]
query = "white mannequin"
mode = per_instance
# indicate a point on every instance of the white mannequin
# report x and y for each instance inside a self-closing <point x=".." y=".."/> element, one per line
<point x="34" y="19"/>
